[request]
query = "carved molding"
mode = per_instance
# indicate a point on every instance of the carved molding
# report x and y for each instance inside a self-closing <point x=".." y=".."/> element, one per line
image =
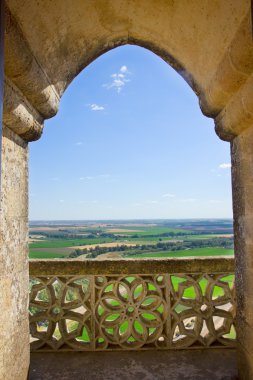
<point x="22" y="67"/>
<point x="237" y="115"/>
<point x="19" y="115"/>
<point x="235" y="67"/>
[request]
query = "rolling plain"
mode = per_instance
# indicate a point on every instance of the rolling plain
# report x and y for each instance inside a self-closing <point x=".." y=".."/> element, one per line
<point x="130" y="239"/>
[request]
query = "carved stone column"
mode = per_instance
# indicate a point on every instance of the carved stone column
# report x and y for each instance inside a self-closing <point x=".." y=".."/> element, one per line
<point x="29" y="97"/>
<point x="22" y="123"/>
<point x="242" y="185"/>
<point x="14" y="332"/>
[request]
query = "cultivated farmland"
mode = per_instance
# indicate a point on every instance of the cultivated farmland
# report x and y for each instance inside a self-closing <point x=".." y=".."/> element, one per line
<point x="135" y="239"/>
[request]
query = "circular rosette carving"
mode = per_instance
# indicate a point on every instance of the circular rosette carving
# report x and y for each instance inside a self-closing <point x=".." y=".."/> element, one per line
<point x="130" y="311"/>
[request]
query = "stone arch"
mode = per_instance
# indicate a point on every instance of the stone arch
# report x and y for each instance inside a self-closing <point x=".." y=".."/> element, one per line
<point x="48" y="42"/>
<point x="208" y="43"/>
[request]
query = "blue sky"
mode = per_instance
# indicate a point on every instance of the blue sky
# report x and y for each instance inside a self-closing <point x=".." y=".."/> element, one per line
<point x="129" y="141"/>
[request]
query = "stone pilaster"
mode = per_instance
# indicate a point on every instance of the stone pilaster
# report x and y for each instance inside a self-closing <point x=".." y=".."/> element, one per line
<point x="242" y="185"/>
<point x="14" y="332"/>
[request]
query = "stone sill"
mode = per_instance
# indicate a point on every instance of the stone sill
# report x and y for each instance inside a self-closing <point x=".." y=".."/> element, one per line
<point x="187" y="265"/>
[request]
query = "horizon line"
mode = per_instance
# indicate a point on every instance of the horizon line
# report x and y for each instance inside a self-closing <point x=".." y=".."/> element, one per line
<point x="127" y="219"/>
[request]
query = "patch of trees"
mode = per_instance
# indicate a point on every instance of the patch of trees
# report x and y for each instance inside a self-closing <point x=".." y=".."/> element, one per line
<point x="92" y="253"/>
<point x="63" y="235"/>
<point x="198" y="243"/>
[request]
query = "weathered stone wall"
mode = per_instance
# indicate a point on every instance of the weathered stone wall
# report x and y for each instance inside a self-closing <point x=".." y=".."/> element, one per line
<point x="14" y="333"/>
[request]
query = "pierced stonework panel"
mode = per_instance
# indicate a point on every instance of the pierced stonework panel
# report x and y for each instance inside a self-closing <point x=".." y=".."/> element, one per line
<point x="202" y="310"/>
<point x="124" y="312"/>
<point x="130" y="312"/>
<point x="60" y="313"/>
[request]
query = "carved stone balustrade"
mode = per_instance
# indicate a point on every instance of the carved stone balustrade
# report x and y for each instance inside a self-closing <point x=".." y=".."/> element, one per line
<point x="132" y="304"/>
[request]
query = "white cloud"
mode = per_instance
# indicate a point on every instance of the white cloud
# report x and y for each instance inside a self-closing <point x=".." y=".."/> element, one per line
<point x="188" y="200"/>
<point x="95" y="107"/>
<point x="124" y="69"/>
<point x="119" y="79"/>
<point x="225" y="166"/>
<point x="61" y="200"/>
<point x="89" y="178"/>
<point x="78" y="143"/>
<point x="168" y="195"/>
<point x="152" y="202"/>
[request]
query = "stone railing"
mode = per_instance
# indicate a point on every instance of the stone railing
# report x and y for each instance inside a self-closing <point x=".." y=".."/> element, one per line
<point x="132" y="304"/>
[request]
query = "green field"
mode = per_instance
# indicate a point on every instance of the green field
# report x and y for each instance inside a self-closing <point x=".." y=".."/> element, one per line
<point x="184" y="253"/>
<point x="145" y="239"/>
<point x="200" y="236"/>
<point x="188" y="252"/>
<point x="45" y="255"/>
<point x="151" y="231"/>
<point x="60" y="243"/>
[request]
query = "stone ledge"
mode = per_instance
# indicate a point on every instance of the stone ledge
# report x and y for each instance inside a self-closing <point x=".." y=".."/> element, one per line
<point x="189" y="265"/>
<point x="214" y="364"/>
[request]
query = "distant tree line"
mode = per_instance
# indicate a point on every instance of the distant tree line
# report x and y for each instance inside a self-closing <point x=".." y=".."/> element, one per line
<point x="158" y="247"/>
<point x="65" y="234"/>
